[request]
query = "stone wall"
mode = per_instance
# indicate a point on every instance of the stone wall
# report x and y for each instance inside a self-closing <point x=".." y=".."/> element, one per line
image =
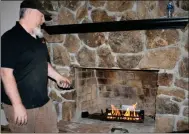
<point x="166" y="50"/>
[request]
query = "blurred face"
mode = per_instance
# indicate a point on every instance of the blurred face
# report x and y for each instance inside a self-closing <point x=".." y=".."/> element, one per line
<point x="35" y="19"/>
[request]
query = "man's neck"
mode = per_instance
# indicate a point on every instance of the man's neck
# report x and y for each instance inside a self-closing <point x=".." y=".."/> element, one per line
<point x="26" y="27"/>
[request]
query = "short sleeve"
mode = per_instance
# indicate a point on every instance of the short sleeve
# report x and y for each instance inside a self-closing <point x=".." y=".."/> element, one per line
<point x="9" y="53"/>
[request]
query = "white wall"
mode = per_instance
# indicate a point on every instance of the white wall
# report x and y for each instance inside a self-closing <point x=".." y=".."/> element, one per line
<point x="9" y="16"/>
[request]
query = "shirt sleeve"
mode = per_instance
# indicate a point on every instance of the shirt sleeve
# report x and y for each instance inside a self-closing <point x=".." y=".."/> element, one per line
<point x="9" y="53"/>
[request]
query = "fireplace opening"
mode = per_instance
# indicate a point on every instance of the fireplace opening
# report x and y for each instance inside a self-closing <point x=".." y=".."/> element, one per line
<point x="117" y="96"/>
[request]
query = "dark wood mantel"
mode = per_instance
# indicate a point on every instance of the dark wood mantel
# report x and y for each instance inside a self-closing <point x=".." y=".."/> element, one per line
<point x="146" y="24"/>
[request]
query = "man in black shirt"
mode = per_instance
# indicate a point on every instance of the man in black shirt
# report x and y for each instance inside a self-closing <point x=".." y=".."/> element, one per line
<point x="25" y="69"/>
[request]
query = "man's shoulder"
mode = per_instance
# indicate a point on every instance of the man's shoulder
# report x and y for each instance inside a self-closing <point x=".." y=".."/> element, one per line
<point x="9" y="34"/>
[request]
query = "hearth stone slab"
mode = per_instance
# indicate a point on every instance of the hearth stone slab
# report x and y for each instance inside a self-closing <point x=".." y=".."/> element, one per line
<point x="76" y="127"/>
<point x="147" y="127"/>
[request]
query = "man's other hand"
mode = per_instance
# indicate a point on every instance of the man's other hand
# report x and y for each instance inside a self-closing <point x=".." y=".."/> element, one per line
<point x="63" y="82"/>
<point x="20" y="114"/>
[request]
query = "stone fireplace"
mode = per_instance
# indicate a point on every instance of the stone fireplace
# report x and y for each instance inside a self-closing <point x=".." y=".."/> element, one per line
<point x="99" y="88"/>
<point x="151" y="65"/>
<point x="147" y="67"/>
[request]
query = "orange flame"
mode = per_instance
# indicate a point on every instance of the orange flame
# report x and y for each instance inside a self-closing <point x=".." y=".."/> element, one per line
<point x="115" y="111"/>
<point x="134" y="107"/>
<point x="127" y="114"/>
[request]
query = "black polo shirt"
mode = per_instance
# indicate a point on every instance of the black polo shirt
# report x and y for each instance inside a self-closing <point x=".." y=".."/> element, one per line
<point x="28" y="57"/>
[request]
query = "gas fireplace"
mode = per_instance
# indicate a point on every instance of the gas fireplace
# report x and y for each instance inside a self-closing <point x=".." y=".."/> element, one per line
<point x="125" y="113"/>
<point x="116" y="95"/>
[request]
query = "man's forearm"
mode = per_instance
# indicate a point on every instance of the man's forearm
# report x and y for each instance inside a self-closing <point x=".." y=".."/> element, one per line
<point x="11" y="90"/>
<point x="52" y="72"/>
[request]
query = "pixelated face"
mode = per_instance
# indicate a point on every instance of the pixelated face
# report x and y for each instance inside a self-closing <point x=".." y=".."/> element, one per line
<point x="36" y="18"/>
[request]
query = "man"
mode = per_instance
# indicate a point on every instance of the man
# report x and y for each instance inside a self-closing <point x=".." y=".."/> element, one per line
<point x="24" y="73"/>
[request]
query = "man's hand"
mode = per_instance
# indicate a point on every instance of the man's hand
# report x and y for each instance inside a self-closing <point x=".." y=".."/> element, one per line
<point x="20" y="114"/>
<point x="60" y="80"/>
<point x="63" y="82"/>
<point x="9" y="82"/>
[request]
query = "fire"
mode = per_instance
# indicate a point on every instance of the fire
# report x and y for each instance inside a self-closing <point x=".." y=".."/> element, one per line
<point x="129" y="113"/>
<point x="115" y="111"/>
<point x="134" y="107"/>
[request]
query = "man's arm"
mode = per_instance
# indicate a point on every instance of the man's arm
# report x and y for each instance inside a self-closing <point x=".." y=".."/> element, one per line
<point x="52" y="72"/>
<point x="10" y="86"/>
<point x="61" y="81"/>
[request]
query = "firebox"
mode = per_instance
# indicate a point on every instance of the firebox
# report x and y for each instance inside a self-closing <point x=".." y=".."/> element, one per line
<point x="116" y="94"/>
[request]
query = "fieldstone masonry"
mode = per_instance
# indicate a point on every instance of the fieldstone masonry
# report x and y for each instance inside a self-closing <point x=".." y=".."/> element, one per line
<point x="165" y="50"/>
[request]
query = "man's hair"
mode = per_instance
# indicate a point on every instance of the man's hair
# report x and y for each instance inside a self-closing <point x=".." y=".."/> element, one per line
<point x="22" y="12"/>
